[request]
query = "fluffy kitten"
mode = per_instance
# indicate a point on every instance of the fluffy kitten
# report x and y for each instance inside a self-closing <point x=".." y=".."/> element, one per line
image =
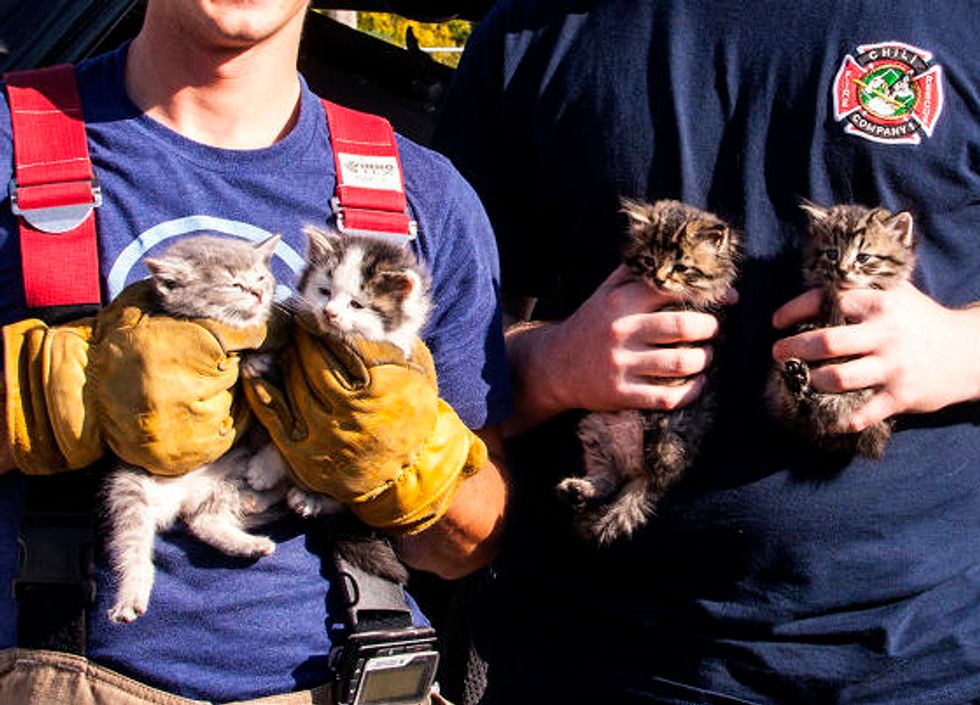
<point x="352" y="287"/>
<point x="199" y="277"/>
<point x="848" y="247"/>
<point x="632" y="458"/>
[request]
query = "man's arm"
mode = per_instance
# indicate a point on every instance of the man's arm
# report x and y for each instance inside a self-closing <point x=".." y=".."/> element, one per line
<point x="467" y="536"/>
<point x="609" y="355"/>
<point x="917" y="355"/>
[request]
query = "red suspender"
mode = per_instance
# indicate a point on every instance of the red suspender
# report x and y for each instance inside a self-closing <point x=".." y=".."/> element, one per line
<point x="54" y="189"/>
<point x="370" y="198"/>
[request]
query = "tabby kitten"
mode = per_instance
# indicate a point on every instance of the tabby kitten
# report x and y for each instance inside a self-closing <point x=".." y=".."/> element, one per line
<point x="229" y="281"/>
<point x="352" y="287"/>
<point x="848" y="247"/>
<point x="632" y="458"/>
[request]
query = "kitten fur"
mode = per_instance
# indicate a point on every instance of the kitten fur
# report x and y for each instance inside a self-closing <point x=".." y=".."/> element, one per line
<point x="848" y="247"/>
<point x="352" y="287"/>
<point x="633" y="458"/>
<point x="227" y="280"/>
<point x="363" y="287"/>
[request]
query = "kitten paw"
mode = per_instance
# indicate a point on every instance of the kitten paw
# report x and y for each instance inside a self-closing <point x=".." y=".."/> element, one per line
<point x="309" y="505"/>
<point x="255" y="547"/>
<point x="256" y="365"/>
<point x="128" y="609"/>
<point x="266" y="469"/>
<point x="575" y="492"/>
<point x="796" y="374"/>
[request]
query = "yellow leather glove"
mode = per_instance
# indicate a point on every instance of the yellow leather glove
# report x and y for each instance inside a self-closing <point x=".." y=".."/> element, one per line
<point x="158" y="391"/>
<point x="358" y="422"/>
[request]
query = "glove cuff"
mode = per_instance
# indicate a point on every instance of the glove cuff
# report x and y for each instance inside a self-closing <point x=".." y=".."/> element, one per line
<point x="423" y="491"/>
<point x="33" y="445"/>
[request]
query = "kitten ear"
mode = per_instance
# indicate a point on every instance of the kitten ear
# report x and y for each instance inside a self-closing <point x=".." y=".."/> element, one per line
<point x="401" y="283"/>
<point x="901" y="225"/>
<point x="816" y="213"/>
<point x="267" y="247"/>
<point x="637" y="211"/>
<point x="717" y="234"/>
<point x="168" y="273"/>
<point x="322" y="242"/>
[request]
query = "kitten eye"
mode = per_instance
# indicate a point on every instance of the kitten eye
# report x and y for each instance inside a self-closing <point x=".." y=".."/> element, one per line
<point x="832" y="255"/>
<point x="680" y="268"/>
<point x="323" y="291"/>
<point x="356" y="304"/>
<point x="863" y="258"/>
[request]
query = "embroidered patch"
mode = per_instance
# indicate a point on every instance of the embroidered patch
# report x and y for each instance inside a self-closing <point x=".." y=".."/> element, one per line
<point x="890" y="93"/>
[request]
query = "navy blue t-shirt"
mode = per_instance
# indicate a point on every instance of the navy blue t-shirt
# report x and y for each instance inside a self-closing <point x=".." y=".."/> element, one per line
<point x="220" y="628"/>
<point x="773" y="575"/>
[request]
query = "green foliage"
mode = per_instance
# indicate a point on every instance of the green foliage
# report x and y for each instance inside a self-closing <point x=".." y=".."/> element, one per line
<point x="453" y="33"/>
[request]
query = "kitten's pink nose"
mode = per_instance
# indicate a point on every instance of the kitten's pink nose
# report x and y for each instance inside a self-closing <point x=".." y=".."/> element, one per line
<point x="330" y="314"/>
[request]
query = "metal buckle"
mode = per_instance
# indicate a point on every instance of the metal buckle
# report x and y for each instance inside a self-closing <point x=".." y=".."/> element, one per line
<point x="58" y="219"/>
<point x="397" y="238"/>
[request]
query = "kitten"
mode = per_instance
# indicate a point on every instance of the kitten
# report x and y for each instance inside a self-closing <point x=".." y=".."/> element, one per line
<point x="229" y="281"/>
<point x="848" y="247"/>
<point x="352" y="287"/>
<point x="632" y="458"/>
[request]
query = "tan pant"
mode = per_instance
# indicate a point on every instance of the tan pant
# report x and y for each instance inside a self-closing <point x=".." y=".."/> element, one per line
<point x="30" y="677"/>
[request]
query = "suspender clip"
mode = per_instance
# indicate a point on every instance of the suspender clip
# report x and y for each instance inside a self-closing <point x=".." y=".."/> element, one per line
<point x="55" y="207"/>
<point x="397" y="228"/>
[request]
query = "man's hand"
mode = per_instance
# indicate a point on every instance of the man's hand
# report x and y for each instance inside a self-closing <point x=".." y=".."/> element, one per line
<point x="615" y="352"/>
<point x="917" y="355"/>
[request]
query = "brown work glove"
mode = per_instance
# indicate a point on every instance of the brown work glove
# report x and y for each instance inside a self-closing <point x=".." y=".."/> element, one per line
<point x="160" y="392"/>
<point x="358" y="422"/>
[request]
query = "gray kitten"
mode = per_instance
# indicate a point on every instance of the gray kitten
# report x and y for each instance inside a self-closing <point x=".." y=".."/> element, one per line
<point x="633" y="458"/>
<point x="848" y="247"/>
<point x="352" y="287"/>
<point x="227" y="280"/>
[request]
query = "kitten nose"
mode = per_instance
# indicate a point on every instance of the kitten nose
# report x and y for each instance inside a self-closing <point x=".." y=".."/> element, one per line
<point x="330" y="314"/>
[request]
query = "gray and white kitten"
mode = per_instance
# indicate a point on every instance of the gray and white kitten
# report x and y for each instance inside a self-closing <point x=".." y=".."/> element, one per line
<point x="848" y="247"/>
<point x="634" y="457"/>
<point x="227" y="280"/>
<point x="352" y="287"/>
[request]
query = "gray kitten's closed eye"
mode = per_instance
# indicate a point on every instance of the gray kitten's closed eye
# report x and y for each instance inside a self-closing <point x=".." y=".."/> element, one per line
<point x="207" y="276"/>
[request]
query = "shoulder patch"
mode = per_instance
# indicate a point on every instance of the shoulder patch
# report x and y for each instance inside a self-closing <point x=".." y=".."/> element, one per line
<point x="889" y="92"/>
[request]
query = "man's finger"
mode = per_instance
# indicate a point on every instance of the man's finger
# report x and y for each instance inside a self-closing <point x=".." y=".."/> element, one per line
<point x="670" y="327"/>
<point x="858" y="373"/>
<point x="804" y="307"/>
<point x="880" y="407"/>
<point x="825" y="344"/>
<point x="671" y="362"/>
<point x="663" y="397"/>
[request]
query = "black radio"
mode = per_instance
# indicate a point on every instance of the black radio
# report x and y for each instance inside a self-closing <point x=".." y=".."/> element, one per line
<point x="384" y="659"/>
